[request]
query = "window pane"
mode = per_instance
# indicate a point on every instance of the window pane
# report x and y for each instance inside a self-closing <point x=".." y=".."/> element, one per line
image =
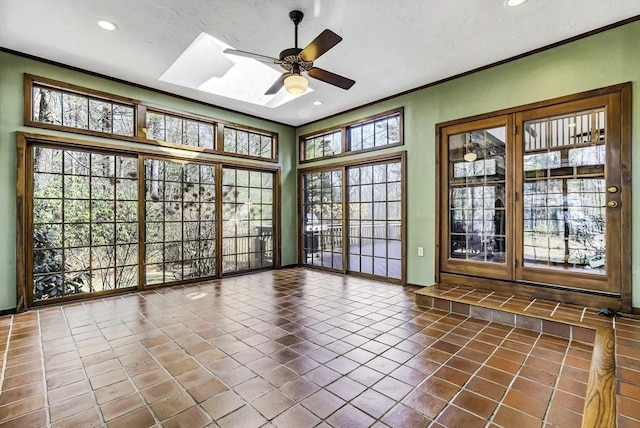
<point x="564" y="192"/>
<point x="76" y="247"/>
<point x="477" y="195"/>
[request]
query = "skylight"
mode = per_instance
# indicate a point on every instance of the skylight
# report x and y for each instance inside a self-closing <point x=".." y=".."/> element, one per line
<point x="203" y="66"/>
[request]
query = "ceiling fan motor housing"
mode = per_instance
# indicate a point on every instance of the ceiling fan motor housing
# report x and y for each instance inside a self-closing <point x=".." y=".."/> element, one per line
<point x="290" y="60"/>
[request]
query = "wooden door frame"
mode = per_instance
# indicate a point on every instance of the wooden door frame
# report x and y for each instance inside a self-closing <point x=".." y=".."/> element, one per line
<point x="620" y="102"/>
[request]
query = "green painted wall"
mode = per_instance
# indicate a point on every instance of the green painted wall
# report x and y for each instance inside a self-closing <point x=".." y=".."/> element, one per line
<point x="12" y="69"/>
<point x="601" y="60"/>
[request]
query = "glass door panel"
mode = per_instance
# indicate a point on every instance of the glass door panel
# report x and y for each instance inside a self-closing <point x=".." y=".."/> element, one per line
<point x="247" y="219"/>
<point x="565" y="219"/>
<point x="322" y="219"/>
<point x="375" y="219"/>
<point x="476" y="231"/>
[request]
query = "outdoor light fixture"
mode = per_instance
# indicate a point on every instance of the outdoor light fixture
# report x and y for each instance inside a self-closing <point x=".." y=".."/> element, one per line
<point x="296" y="84"/>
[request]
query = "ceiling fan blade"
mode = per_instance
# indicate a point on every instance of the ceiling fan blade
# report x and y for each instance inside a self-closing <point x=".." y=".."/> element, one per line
<point x="258" y="57"/>
<point x="325" y="41"/>
<point x="277" y="85"/>
<point x="331" y="78"/>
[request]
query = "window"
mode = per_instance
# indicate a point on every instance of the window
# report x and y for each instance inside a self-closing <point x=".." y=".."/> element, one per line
<point x="179" y="130"/>
<point x="352" y="218"/>
<point x="95" y="219"/>
<point x="180" y="216"/>
<point x="322" y="146"/>
<point x="373" y="133"/>
<point x="84" y="222"/>
<point x="384" y="131"/>
<point x="61" y="106"/>
<point x="375" y="219"/>
<point x="247" y="219"/>
<point x="248" y="143"/>
<point x="537" y="196"/>
<point x="76" y="110"/>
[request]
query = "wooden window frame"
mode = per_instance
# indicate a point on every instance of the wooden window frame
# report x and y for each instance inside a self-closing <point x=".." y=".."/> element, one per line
<point x="618" y="98"/>
<point x="24" y="251"/>
<point x="346" y="136"/>
<point x="343" y="166"/>
<point x="30" y="82"/>
<point x="139" y="119"/>
<point x="219" y="141"/>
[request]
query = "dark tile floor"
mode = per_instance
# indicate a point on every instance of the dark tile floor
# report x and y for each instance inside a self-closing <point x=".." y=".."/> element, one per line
<point x="289" y="348"/>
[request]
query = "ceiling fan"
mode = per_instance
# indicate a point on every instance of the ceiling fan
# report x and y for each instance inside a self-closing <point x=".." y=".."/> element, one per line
<point x="296" y="60"/>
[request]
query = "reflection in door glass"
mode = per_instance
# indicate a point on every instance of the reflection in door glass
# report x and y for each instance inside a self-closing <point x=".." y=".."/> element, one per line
<point x="564" y="192"/>
<point x="477" y="195"/>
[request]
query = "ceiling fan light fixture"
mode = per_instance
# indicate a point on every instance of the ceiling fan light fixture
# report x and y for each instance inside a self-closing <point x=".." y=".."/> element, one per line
<point x="470" y="156"/>
<point x="296" y="84"/>
<point x="107" y="25"/>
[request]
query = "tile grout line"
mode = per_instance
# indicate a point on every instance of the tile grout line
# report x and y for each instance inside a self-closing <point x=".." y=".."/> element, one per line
<point x="554" y="309"/>
<point x="515" y="376"/>
<point x="47" y="414"/>
<point x="6" y="353"/>
<point x="486" y="297"/>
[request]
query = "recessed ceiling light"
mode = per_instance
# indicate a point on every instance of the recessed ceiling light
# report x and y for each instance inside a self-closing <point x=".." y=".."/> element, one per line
<point x="513" y="3"/>
<point x="317" y="103"/>
<point x="107" y="25"/>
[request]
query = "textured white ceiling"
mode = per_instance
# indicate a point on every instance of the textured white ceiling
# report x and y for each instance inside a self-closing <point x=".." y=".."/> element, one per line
<point x="389" y="46"/>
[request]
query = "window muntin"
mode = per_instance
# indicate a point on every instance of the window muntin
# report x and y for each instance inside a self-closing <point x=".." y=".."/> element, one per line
<point x="180" y="221"/>
<point x="477" y="186"/>
<point x="76" y="110"/>
<point x="565" y="192"/>
<point x="248" y="143"/>
<point x="323" y="145"/>
<point x="84" y="222"/>
<point x="372" y="133"/>
<point x="179" y="130"/>
<point x="247" y="219"/>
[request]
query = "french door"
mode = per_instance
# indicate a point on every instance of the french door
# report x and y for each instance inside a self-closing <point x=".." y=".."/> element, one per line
<point x="352" y="218"/>
<point x="539" y="196"/>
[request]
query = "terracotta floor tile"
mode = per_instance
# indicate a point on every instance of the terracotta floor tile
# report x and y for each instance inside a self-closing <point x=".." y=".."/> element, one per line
<point x="245" y="417"/>
<point x="66" y="409"/>
<point x="299" y="389"/>
<point x="223" y="404"/>
<point x="160" y="390"/>
<point x="404" y="416"/>
<point x="323" y="403"/>
<point x="272" y="404"/>
<point x="426" y="404"/>
<point x="121" y="406"/>
<point x="296" y="417"/>
<point x="194" y="417"/>
<point x="88" y="418"/>
<point x="508" y="417"/>
<point x="279" y="359"/>
<point x="207" y="389"/>
<point x="21" y="392"/>
<point x="454" y="416"/>
<point x="373" y="403"/>
<point x="37" y="418"/>
<point x="140" y="418"/>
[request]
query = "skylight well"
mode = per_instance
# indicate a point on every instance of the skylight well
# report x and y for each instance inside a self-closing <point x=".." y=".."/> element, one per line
<point x="204" y="66"/>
